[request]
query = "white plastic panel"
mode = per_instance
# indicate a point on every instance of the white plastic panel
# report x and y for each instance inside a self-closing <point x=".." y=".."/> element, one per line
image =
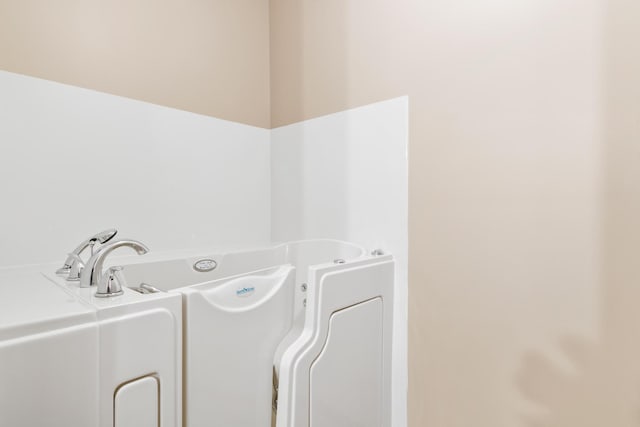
<point x="346" y="379"/>
<point x="30" y="304"/>
<point x="205" y="179"/>
<point x="233" y="328"/>
<point x="332" y="289"/>
<point x="344" y="176"/>
<point x="136" y="404"/>
<point x="50" y="379"/>
<point x="137" y="345"/>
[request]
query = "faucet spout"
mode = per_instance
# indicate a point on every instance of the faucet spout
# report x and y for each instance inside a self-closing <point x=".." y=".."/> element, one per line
<point x="92" y="274"/>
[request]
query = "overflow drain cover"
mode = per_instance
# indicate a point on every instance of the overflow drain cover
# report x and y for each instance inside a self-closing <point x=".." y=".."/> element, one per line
<point x="204" y="265"/>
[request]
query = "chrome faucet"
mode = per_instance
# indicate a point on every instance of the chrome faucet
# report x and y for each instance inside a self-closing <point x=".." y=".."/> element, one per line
<point x="111" y="283"/>
<point x="73" y="265"/>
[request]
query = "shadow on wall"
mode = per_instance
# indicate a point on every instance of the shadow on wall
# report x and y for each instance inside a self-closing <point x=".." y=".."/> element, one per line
<point x="602" y="388"/>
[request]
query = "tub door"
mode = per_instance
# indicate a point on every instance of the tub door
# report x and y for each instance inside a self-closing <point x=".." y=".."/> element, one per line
<point x="338" y="373"/>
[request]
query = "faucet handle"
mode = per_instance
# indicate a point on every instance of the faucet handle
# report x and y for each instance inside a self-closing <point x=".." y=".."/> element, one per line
<point x="77" y="265"/>
<point x="112" y="283"/>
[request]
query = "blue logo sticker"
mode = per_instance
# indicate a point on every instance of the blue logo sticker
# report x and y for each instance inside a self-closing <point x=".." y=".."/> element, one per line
<point x="246" y="291"/>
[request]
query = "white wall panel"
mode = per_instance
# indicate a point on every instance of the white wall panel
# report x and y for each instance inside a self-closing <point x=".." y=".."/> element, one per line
<point x="344" y="176"/>
<point x="74" y="161"/>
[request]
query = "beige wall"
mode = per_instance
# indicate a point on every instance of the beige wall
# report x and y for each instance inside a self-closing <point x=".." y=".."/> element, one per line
<point x="209" y="57"/>
<point x="524" y="192"/>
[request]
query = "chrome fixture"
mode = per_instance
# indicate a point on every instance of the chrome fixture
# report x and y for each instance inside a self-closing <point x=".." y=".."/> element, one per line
<point x="73" y="264"/>
<point x="205" y="265"/>
<point x="111" y="283"/>
<point x="377" y="252"/>
<point x="145" y="288"/>
<point x="76" y="267"/>
<point x="148" y="288"/>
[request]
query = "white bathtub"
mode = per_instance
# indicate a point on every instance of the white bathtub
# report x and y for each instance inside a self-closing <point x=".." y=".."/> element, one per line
<point x="211" y="347"/>
<point x="231" y="342"/>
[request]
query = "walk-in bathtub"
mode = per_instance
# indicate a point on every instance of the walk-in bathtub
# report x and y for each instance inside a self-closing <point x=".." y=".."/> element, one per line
<point x="265" y="330"/>
<point x="294" y="335"/>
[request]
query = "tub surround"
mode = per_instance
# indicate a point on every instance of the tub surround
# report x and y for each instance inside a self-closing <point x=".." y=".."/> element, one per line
<point x="179" y="180"/>
<point x="354" y="162"/>
<point x="76" y="161"/>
